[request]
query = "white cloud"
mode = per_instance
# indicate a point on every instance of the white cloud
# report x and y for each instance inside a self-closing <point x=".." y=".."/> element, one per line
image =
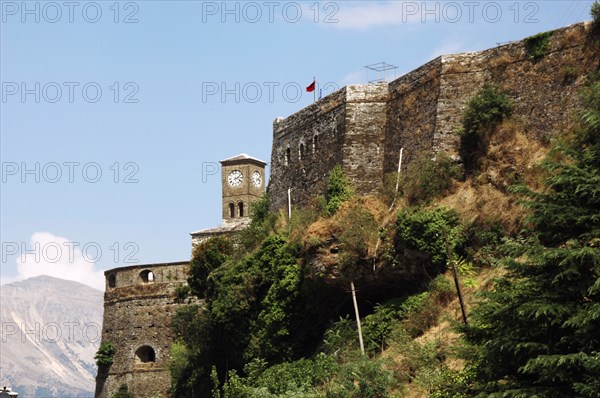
<point x="56" y="256"/>
<point x="377" y="14"/>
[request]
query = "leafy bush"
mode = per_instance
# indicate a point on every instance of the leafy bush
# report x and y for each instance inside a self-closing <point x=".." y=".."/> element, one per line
<point x="104" y="355"/>
<point x="360" y="379"/>
<point x="340" y="339"/>
<point x="484" y="111"/>
<point x="428" y="231"/>
<point x="182" y="292"/>
<point x="537" y="45"/>
<point x="426" y="178"/>
<point x="261" y="225"/>
<point x="288" y="379"/>
<point x="207" y="256"/>
<point x="122" y="392"/>
<point x="339" y="189"/>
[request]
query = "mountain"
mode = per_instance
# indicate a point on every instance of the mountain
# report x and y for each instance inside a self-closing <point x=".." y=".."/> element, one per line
<point x="50" y="333"/>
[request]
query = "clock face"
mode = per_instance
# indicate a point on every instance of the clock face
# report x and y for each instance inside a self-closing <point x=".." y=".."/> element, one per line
<point x="256" y="179"/>
<point x="235" y="178"/>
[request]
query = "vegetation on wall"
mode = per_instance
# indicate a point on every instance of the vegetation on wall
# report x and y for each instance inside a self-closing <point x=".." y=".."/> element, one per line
<point x="105" y="354"/>
<point x="484" y="111"/>
<point x="339" y="190"/>
<point x="537" y="45"/>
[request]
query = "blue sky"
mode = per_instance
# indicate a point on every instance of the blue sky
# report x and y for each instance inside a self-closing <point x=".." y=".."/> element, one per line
<point x="151" y="93"/>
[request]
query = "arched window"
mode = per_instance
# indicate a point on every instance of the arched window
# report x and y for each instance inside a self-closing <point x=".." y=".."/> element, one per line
<point x="147" y="276"/>
<point x="288" y="156"/>
<point x="315" y="143"/>
<point x="231" y="210"/>
<point x="241" y="208"/>
<point x="145" y="354"/>
<point x="112" y="281"/>
<point x="301" y="153"/>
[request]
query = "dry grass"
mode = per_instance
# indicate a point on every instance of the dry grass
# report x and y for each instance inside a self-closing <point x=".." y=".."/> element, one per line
<point x="512" y="157"/>
<point x="475" y="202"/>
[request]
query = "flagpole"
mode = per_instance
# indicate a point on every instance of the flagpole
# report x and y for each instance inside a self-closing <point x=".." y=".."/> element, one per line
<point x="314" y="91"/>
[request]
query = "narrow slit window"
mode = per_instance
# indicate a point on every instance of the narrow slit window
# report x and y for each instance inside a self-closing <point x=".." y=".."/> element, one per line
<point x="241" y="208"/>
<point x="231" y="210"/>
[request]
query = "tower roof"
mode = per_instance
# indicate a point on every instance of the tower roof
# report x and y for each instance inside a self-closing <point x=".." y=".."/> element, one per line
<point x="242" y="157"/>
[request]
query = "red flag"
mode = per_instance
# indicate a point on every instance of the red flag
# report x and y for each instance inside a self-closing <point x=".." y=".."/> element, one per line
<point x="311" y="88"/>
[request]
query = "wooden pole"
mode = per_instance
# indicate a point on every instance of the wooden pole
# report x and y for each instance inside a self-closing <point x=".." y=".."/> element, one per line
<point x="456" y="282"/>
<point x="289" y="203"/>
<point x="397" y="178"/>
<point x="360" y="337"/>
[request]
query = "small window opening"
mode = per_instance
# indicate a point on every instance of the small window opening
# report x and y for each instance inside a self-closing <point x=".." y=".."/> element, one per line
<point x="288" y="156"/>
<point x="147" y="276"/>
<point x="145" y="354"/>
<point x="112" y="281"/>
<point x="315" y="143"/>
<point x="301" y="151"/>
<point x="231" y="210"/>
<point x="241" y="208"/>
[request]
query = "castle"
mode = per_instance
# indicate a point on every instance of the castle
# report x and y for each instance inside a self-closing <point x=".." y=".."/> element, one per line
<point x="362" y="128"/>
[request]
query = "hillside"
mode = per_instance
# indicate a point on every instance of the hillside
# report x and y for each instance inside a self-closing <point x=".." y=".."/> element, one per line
<point x="50" y="333"/>
<point x="518" y="220"/>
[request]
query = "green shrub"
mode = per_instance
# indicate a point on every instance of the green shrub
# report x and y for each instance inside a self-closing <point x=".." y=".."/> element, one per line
<point x="104" y="355"/>
<point x="207" y="257"/>
<point x="339" y="189"/>
<point x="426" y="178"/>
<point x="538" y="44"/>
<point x="261" y="225"/>
<point x="340" y="340"/>
<point x="484" y="111"/>
<point x="427" y="232"/>
<point x="122" y="392"/>
<point x="361" y="379"/>
<point x="182" y="292"/>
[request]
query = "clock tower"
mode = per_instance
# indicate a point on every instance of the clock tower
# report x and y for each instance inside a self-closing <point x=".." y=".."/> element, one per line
<point x="243" y="182"/>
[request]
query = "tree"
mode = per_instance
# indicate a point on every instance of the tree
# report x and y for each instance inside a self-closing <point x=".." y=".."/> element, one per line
<point x="536" y="333"/>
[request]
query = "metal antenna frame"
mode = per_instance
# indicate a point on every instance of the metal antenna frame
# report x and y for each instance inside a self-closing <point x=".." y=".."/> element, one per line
<point x="380" y="67"/>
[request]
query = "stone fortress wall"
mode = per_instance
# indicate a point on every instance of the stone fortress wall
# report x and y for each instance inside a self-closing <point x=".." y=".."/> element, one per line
<point x="139" y="303"/>
<point x="363" y="127"/>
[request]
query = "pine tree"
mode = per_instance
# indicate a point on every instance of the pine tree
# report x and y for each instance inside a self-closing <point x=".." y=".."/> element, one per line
<point x="537" y="334"/>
